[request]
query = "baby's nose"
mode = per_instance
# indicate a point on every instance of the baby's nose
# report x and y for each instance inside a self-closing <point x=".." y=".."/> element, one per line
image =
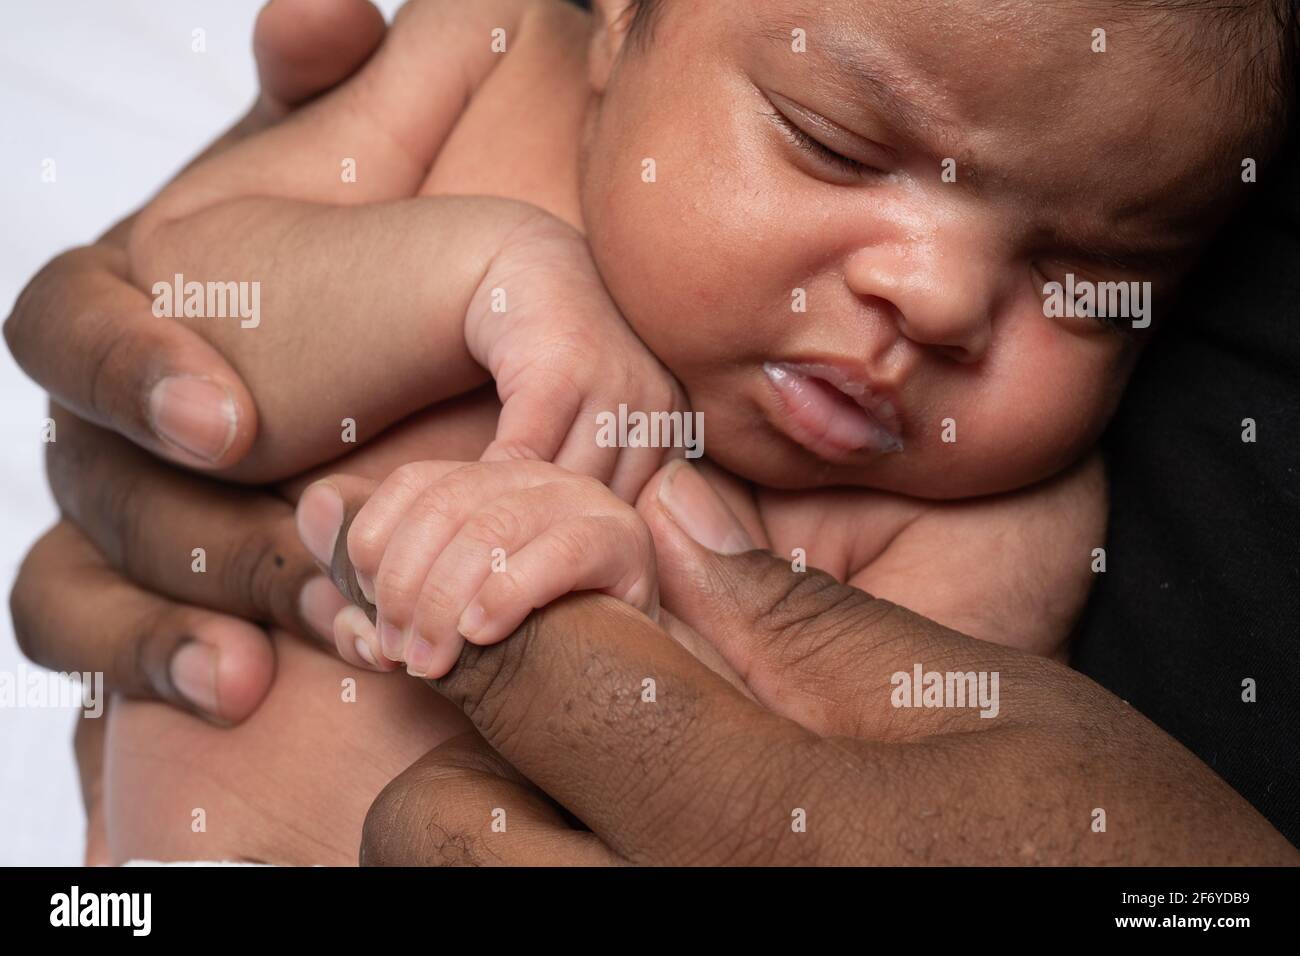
<point x="941" y="296"/>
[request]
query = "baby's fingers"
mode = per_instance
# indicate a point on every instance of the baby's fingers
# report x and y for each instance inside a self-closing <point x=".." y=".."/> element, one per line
<point x="382" y="513"/>
<point x="635" y="468"/>
<point x="534" y="422"/>
<point x="606" y="553"/>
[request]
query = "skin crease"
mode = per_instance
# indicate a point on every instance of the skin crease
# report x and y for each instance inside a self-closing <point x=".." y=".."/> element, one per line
<point x="841" y="242"/>
<point x="931" y="289"/>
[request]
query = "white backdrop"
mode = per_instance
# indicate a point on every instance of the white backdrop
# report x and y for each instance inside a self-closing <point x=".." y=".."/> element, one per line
<point x="112" y="91"/>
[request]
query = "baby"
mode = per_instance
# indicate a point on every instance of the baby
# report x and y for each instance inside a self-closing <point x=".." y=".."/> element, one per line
<point x="829" y="230"/>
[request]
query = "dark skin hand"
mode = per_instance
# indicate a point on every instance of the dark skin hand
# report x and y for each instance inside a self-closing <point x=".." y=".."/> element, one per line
<point x="705" y="774"/>
<point x="82" y="331"/>
<point x="87" y="336"/>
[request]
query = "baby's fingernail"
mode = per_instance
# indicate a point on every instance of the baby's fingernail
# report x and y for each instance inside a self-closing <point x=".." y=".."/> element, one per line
<point x="195" y="414"/>
<point x="363" y="651"/>
<point x="419" y="656"/>
<point x="700" y="512"/>
<point x="390" y="640"/>
<point x="319" y="517"/>
<point x="352" y="623"/>
<point x="472" y="621"/>
<point x="367" y="586"/>
<point x="319" y="603"/>
<point x="194" y="674"/>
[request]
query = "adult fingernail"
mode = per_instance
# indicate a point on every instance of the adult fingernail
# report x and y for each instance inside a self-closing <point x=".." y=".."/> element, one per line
<point x="319" y="603"/>
<point x="194" y="674"/>
<point x="390" y="640"/>
<point x="195" y="414"/>
<point x="319" y="517"/>
<point x="700" y="512"/>
<point x="419" y="657"/>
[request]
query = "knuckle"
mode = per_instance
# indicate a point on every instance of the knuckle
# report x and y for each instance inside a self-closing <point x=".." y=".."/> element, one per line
<point x="800" y="603"/>
<point x="365" y="547"/>
<point x="495" y="527"/>
<point x="440" y="501"/>
<point x="24" y="324"/>
<point x="420" y="817"/>
<point x="480" y="683"/>
<point x="570" y="543"/>
<point x="254" y="568"/>
<point x="114" y="356"/>
<point x="432" y="606"/>
<point x="118" y="506"/>
<point x="514" y="449"/>
<point x="23" y="606"/>
<point x="396" y="591"/>
<point x="412" y="476"/>
<point x="44" y="569"/>
<point x="587" y="486"/>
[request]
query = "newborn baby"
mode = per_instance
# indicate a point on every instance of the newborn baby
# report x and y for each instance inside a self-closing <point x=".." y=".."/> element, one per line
<point x="830" y="232"/>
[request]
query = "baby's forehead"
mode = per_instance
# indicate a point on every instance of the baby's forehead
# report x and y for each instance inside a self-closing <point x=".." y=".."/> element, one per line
<point x="1017" y="89"/>
<point x="1219" y="52"/>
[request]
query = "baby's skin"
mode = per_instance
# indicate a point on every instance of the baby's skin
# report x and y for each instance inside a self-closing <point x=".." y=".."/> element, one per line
<point x="916" y="425"/>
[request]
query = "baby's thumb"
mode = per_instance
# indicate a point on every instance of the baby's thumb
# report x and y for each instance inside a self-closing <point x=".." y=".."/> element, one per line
<point x="532" y="426"/>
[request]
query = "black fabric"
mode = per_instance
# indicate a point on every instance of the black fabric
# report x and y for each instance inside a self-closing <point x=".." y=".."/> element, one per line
<point x="1202" y="582"/>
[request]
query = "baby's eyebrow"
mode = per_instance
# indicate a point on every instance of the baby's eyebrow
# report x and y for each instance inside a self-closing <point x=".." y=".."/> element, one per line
<point x="863" y="75"/>
<point x="1136" y="258"/>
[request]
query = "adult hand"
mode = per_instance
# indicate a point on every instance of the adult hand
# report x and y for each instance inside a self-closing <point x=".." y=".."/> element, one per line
<point x="89" y="338"/>
<point x="126" y="551"/>
<point x="85" y="334"/>
<point x="822" y="769"/>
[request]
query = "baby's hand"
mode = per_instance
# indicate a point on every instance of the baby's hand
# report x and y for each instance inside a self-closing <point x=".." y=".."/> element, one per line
<point x="561" y="354"/>
<point x="454" y="552"/>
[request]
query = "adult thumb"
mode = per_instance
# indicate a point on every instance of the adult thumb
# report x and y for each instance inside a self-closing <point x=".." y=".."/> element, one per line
<point x="808" y="647"/>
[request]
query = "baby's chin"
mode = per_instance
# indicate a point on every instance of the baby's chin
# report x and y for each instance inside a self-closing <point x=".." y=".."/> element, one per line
<point x="772" y="461"/>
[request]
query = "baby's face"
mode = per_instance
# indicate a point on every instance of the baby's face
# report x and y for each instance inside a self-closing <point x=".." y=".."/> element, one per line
<point x="784" y="178"/>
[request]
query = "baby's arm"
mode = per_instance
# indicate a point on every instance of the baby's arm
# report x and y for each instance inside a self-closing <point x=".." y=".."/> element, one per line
<point x="370" y="287"/>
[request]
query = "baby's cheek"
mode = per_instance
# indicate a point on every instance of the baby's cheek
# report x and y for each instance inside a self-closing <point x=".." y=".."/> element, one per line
<point x="1048" y="404"/>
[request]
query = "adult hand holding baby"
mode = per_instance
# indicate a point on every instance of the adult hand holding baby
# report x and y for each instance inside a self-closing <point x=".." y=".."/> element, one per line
<point x="85" y="334"/>
<point x="819" y="767"/>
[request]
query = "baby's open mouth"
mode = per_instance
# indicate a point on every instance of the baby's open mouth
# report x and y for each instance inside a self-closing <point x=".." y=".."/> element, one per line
<point x="831" y="413"/>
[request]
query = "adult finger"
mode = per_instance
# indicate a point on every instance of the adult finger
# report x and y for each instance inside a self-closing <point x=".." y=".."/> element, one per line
<point x="304" y="47"/>
<point x="194" y="540"/>
<point x="86" y="335"/>
<point x="89" y="338"/>
<point x="461" y="804"/>
<point x="807" y="646"/>
<point x="145" y="646"/>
